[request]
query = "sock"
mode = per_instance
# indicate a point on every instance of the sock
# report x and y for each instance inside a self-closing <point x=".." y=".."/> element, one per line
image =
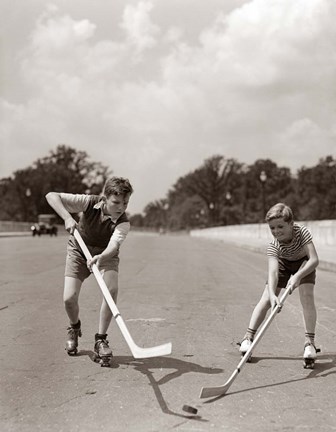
<point x="250" y="333"/>
<point x="310" y="337"/>
<point x="99" y="336"/>
<point x="76" y="326"/>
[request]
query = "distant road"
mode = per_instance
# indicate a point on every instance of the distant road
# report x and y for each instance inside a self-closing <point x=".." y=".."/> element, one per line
<point x="199" y="295"/>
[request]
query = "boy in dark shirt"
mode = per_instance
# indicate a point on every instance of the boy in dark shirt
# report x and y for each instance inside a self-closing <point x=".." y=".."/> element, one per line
<point x="103" y="226"/>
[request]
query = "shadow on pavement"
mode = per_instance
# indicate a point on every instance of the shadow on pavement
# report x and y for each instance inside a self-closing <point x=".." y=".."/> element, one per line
<point x="325" y="365"/>
<point x="323" y="362"/>
<point x="148" y="366"/>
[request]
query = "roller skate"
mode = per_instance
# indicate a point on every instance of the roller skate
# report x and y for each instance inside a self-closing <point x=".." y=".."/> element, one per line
<point x="309" y="355"/>
<point x="74" y="332"/>
<point x="102" y="351"/>
<point x="244" y="347"/>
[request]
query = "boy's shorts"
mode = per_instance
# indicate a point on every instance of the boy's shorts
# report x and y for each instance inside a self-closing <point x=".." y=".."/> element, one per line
<point x="75" y="264"/>
<point x="288" y="268"/>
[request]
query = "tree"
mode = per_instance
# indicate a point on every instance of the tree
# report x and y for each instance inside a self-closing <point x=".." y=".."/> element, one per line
<point x="64" y="170"/>
<point x="211" y="184"/>
<point x="265" y="185"/>
<point x="137" y="220"/>
<point x="223" y="191"/>
<point x="316" y="188"/>
<point x="155" y="214"/>
<point x="187" y="213"/>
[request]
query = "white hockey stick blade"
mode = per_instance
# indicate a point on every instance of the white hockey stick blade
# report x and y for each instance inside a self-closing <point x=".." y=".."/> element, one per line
<point x="137" y="352"/>
<point x="207" y="392"/>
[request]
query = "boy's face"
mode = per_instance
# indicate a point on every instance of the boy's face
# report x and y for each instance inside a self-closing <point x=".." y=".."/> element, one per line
<point x="116" y="205"/>
<point x="281" y="230"/>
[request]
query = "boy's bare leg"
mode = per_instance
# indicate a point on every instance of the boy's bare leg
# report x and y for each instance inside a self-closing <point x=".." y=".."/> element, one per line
<point x="258" y="316"/>
<point x="309" y="314"/>
<point x="111" y="280"/>
<point x="260" y="311"/>
<point x="101" y="348"/>
<point x="308" y="306"/>
<point x="72" y="288"/>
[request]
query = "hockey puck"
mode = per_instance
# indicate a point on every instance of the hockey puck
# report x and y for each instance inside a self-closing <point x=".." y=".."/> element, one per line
<point x="189" y="409"/>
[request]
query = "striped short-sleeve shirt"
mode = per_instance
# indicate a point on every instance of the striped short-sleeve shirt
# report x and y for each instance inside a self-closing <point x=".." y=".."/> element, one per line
<point x="295" y="249"/>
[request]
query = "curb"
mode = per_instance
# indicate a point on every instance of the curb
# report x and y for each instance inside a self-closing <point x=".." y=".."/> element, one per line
<point x="15" y="234"/>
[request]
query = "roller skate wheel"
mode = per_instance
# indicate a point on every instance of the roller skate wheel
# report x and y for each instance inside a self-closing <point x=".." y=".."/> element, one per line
<point x="105" y="362"/>
<point x="309" y="363"/>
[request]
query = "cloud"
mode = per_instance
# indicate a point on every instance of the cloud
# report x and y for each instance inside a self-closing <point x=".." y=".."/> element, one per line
<point x="140" y="30"/>
<point x="255" y="83"/>
<point x="60" y="34"/>
<point x="260" y="69"/>
<point x="304" y="134"/>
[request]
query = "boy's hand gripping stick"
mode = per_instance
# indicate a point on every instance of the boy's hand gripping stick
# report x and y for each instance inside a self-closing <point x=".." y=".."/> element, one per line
<point x="136" y="351"/>
<point x="207" y="392"/>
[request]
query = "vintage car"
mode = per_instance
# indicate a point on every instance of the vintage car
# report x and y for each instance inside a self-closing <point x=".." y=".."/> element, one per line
<point x="45" y="225"/>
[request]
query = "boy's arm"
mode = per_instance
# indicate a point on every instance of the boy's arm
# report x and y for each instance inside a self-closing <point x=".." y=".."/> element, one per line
<point x="273" y="278"/>
<point x="113" y="246"/>
<point x="309" y="266"/>
<point x="55" y="201"/>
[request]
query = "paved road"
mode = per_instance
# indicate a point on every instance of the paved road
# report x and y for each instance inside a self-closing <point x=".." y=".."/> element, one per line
<point x="198" y="294"/>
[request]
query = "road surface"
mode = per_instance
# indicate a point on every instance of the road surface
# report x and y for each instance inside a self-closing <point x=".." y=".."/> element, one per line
<point x="199" y="295"/>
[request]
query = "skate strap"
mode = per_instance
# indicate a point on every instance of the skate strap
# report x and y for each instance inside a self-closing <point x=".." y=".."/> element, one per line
<point x="316" y="349"/>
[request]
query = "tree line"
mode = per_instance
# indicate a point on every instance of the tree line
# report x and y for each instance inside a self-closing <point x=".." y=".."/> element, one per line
<point x="222" y="191"/>
<point x="63" y="170"/>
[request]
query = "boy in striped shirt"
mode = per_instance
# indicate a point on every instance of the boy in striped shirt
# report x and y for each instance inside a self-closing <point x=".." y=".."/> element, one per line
<point x="292" y="246"/>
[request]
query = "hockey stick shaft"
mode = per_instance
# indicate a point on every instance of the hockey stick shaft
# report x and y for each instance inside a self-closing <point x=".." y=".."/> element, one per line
<point x="136" y="351"/>
<point x="221" y="390"/>
<point x="264" y="327"/>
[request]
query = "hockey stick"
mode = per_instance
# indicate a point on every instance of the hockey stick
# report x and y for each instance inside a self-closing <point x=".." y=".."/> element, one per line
<point x="207" y="392"/>
<point x="136" y="351"/>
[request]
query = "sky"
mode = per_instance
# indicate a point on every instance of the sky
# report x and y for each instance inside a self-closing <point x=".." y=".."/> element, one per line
<point x="152" y="88"/>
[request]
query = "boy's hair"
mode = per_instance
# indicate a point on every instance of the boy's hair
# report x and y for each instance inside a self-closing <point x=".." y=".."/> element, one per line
<point x="117" y="186"/>
<point x="280" y="210"/>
